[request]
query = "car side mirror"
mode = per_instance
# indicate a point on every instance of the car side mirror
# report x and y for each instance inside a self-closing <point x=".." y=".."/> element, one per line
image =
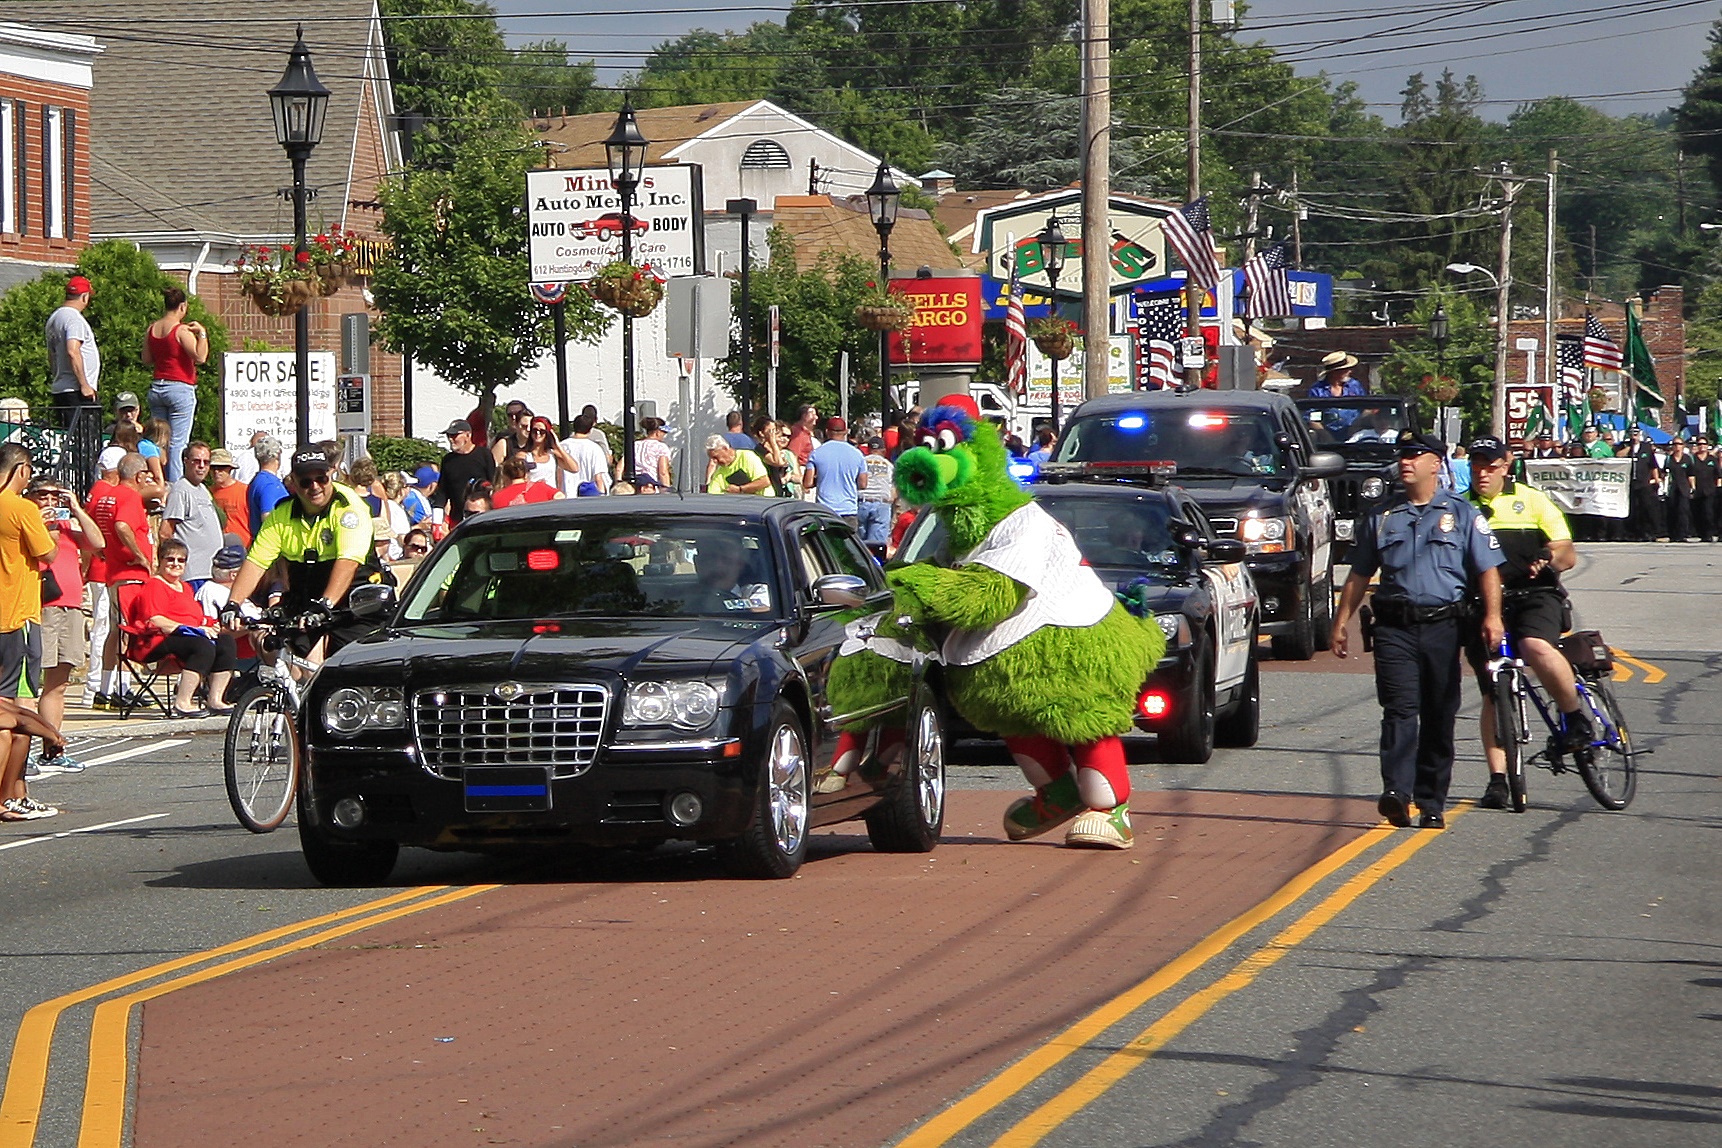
<point x="1324" y="464"/>
<point x="371" y="602"/>
<point x="1225" y="551"/>
<point x="840" y="590"/>
<point x="1285" y="441"/>
<point x="1190" y="539"/>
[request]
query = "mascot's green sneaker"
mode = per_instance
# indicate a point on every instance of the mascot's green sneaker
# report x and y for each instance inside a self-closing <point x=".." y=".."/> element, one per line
<point x="1099" y="829"/>
<point x="1050" y="807"/>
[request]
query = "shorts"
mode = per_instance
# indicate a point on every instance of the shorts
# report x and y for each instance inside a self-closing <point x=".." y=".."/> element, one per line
<point x="1538" y="613"/>
<point x="21" y="661"/>
<point x="65" y="636"/>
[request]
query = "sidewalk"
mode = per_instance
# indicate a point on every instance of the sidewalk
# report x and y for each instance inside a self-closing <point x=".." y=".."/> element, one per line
<point x="81" y="720"/>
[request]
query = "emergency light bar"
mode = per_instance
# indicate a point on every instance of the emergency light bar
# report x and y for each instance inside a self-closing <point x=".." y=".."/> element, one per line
<point x="1151" y="470"/>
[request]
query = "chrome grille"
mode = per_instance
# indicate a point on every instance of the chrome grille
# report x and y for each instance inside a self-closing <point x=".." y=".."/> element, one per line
<point x="1223" y="525"/>
<point x="555" y="725"/>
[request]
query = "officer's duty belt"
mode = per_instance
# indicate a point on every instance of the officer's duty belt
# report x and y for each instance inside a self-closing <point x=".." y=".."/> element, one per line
<point x="1392" y="612"/>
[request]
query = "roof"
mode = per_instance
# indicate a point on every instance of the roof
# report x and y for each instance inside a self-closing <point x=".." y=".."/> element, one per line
<point x="1139" y="400"/>
<point x="957" y="211"/>
<point x="665" y="129"/>
<point x="819" y="223"/>
<point x="181" y="138"/>
<point x="746" y="508"/>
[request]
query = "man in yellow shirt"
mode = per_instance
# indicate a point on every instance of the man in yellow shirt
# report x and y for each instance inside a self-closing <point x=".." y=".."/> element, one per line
<point x="735" y="471"/>
<point x="25" y="550"/>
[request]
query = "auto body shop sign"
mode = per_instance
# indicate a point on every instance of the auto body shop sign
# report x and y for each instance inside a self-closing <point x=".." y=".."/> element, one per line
<point x="574" y="222"/>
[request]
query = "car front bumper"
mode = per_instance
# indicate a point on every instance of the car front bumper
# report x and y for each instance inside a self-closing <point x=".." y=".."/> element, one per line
<point x="1281" y="588"/>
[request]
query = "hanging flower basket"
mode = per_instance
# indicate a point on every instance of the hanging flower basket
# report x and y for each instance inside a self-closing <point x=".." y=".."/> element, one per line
<point x="331" y="277"/>
<point x="634" y="291"/>
<point x="1439" y="390"/>
<point x="277" y="281"/>
<point x="1054" y="336"/>
<point x="1600" y="399"/>
<point x="884" y="317"/>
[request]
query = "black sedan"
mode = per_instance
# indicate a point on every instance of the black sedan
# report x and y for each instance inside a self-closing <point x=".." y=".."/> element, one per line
<point x="613" y="671"/>
<point x="1157" y="546"/>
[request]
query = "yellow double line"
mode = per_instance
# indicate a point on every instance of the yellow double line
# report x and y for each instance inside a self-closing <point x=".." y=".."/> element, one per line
<point x="104" y="1112"/>
<point x="1046" y="1118"/>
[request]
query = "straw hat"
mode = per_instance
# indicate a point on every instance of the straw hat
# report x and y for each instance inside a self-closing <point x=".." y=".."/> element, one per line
<point x="1338" y="361"/>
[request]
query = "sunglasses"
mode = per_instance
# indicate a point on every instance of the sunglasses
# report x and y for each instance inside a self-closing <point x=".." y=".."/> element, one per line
<point x="173" y="562"/>
<point x="315" y="479"/>
<point x="418" y="550"/>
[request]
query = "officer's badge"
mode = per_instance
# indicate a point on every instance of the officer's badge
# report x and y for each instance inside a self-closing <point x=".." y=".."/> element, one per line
<point x="1448" y="522"/>
<point x="328" y="537"/>
<point x="1518" y="508"/>
<point x="349" y="520"/>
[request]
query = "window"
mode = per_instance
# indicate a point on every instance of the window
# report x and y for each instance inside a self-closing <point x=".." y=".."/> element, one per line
<point x="764" y="155"/>
<point x="58" y="138"/>
<point x="11" y="155"/>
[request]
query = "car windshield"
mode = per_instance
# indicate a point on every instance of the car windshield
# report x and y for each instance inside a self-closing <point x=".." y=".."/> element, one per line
<point x="1335" y="424"/>
<point x="610" y="566"/>
<point x="1197" y="441"/>
<point x="1109" y="531"/>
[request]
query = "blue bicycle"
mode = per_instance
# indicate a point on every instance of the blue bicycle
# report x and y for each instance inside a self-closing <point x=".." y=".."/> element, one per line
<point x="1608" y="764"/>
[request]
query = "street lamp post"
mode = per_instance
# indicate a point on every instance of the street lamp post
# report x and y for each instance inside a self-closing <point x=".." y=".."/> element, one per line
<point x="1052" y="243"/>
<point x="1438" y="332"/>
<point x="1497" y="422"/>
<point x="745" y="209"/>
<point x="299" y="102"/>
<point x="626" y="149"/>
<point x="882" y="200"/>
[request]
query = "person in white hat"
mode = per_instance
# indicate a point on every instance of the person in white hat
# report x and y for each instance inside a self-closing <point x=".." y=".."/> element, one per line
<point x="1336" y="380"/>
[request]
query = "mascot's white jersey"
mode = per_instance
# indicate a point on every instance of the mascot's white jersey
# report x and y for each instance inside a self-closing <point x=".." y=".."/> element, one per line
<point x="1032" y="547"/>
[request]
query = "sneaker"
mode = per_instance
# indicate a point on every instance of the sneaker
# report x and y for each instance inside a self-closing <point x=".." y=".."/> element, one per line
<point x="1101" y="829"/>
<point x="1576" y="731"/>
<point x="98" y="701"/>
<point x="1051" y="806"/>
<point x="1495" y="796"/>
<point x="27" y="809"/>
<point x="60" y="763"/>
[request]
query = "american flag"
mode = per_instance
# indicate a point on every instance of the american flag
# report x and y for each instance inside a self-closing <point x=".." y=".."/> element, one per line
<point x="1190" y="232"/>
<point x="1162" y="327"/>
<point x="1270" y="286"/>
<point x="1569" y="364"/>
<point x="1016" y="341"/>
<point x="1600" y="351"/>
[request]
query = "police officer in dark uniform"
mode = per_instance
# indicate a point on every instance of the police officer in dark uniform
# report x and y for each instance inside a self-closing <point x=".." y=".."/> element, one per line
<point x="1432" y="549"/>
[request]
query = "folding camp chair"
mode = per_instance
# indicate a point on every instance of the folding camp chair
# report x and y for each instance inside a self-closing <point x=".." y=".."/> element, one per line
<point x="148" y="677"/>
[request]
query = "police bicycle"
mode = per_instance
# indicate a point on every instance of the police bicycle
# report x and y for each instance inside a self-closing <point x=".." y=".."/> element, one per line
<point x="1608" y="764"/>
<point x="261" y="757"/>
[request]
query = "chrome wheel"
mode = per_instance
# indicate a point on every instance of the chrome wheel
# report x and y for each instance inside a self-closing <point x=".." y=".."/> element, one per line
<point x="787" y="777"/>
<point x="930" y="767"/>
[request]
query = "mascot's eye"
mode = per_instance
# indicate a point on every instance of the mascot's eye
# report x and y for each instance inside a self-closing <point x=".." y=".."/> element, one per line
<point x="930" y="441"/>
<point x="947" y="439"/>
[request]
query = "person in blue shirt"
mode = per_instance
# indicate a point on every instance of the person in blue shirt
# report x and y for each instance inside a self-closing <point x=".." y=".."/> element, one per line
<point x="1432" y="548"/>
<point x="837" y="471"/>
<point x="1044" y="441"/>
<point x="266" y="491"/>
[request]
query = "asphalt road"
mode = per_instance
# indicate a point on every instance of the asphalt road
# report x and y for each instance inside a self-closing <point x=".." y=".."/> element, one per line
<point x="1535" y="978"/>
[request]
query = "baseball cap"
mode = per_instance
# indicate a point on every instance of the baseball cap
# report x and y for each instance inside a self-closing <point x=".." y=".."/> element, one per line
<point x="219" y="457"/>
<point x="875" y="443"/>
<point x="77" y="285"/>
<point x="310" y="460"/>
<point x="424" y="475"/>
<point x="228" y="558"/>
<point x="1421" y="444"/>
<point x="586" y="490"/>
<point x="1487" y="449"/>
<point x="127" y="400"/>
<point x="458" y="426"/>
<point x="110" y="458"/>
<point x="835" y="425"/>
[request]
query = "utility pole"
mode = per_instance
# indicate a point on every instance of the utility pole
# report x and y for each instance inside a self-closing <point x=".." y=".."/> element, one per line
<point x="1680" y="189"/>
<point x="1550" y="379"/>
<point x="1511" y="185"/>
<point x="1297" y="224"/>
<point x="1252" y="208"/>
<point x="1193" y="180"/>
<point x="1096" y="198"/>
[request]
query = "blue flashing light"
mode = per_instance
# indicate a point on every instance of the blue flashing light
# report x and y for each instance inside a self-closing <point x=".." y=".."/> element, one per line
<point x="1024" y="470"/>
<point x="1132" y="422"/>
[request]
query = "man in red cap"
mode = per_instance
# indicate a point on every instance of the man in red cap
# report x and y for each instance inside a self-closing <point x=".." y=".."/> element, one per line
<point x="73" y="357"/>
<point x="838" y="471"/>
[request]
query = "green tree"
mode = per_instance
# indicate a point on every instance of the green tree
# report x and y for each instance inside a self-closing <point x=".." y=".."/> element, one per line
<point x="703" y="67"/>
<point x="453" y="289"/>
<point x="447" y="61"/>
<point x="126" y="299"/>
<point x="1468" y="359"/>
<point x="1699" y="117"/>
<point x="1028" y="137"/>
<point x="540" y="77"/>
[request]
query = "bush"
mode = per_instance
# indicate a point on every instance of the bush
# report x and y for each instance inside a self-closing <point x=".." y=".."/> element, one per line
<point x="406" y="454"/>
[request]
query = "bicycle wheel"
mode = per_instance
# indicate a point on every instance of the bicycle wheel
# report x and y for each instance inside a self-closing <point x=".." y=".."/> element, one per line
<point x="261" y="759"/>
<point x="1609" y="771"/>
<point x="1510" y="736"/>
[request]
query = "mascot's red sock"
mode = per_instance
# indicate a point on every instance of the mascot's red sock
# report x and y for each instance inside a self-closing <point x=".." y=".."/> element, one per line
<point x="847" y="756"/>
<point x="1046" y="764"/>
<point x="1104" y="781"/>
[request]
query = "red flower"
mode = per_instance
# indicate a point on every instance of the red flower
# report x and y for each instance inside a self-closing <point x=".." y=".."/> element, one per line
<point x="302" y="258"/>
<point x="323" y="239"/>
<point x="286" y="247"/>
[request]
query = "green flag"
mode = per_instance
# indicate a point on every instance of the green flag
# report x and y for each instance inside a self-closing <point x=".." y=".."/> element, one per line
<point x="1539" y="421"/>
<point x="1646" y="395"/>
<point x="1578" y="417"/>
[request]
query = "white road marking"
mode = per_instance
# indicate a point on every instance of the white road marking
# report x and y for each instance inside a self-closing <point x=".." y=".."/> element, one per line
<point x="137" y="751"/>
<point x="19" y="844"/>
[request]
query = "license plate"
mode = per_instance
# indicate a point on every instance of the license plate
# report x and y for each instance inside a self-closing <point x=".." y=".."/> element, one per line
<point x="506" y="788"/>
<point x="1343" y="529"/>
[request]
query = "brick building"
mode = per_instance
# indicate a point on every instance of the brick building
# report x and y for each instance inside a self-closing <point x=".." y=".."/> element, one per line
<point x="182" y="153"/>
<point x="45" y="80"/>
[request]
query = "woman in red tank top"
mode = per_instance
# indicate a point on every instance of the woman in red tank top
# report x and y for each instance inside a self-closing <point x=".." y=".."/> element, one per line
<point x="174" y="348"/>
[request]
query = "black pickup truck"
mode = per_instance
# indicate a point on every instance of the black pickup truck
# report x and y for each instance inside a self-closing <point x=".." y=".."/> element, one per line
<point x="1248" y="460"/>
<point x="1365" y="430"/>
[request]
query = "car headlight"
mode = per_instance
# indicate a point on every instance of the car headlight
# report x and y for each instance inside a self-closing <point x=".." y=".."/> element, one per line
<point x="1373" y="487"/>
<point x="353" y="708"/>
<point x="1265" y="535"/>
<point x="684" y="705"/>
<point x="1176" y="628"/>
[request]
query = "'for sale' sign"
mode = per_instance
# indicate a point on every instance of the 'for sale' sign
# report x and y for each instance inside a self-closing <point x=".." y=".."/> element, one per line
<point x="574" y="222"/>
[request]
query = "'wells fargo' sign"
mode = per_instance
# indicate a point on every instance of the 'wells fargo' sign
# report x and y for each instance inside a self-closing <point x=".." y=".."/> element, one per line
<point x="946" y="329"/>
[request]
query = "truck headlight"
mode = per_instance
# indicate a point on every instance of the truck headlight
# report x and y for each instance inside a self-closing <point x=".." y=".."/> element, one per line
<point x="1265" y="535"/>
<point x="684" y="705"/>
<point x="1176" y="628"/>
<point x="1373" y="487"/>
<point x="353" y="708"/>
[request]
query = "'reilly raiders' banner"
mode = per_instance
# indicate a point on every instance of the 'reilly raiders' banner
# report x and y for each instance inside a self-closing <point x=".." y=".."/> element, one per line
<point x="1583" y="485"/>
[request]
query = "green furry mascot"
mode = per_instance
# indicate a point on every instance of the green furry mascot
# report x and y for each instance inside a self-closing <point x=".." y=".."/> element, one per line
<point x="1036" y="649"/>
